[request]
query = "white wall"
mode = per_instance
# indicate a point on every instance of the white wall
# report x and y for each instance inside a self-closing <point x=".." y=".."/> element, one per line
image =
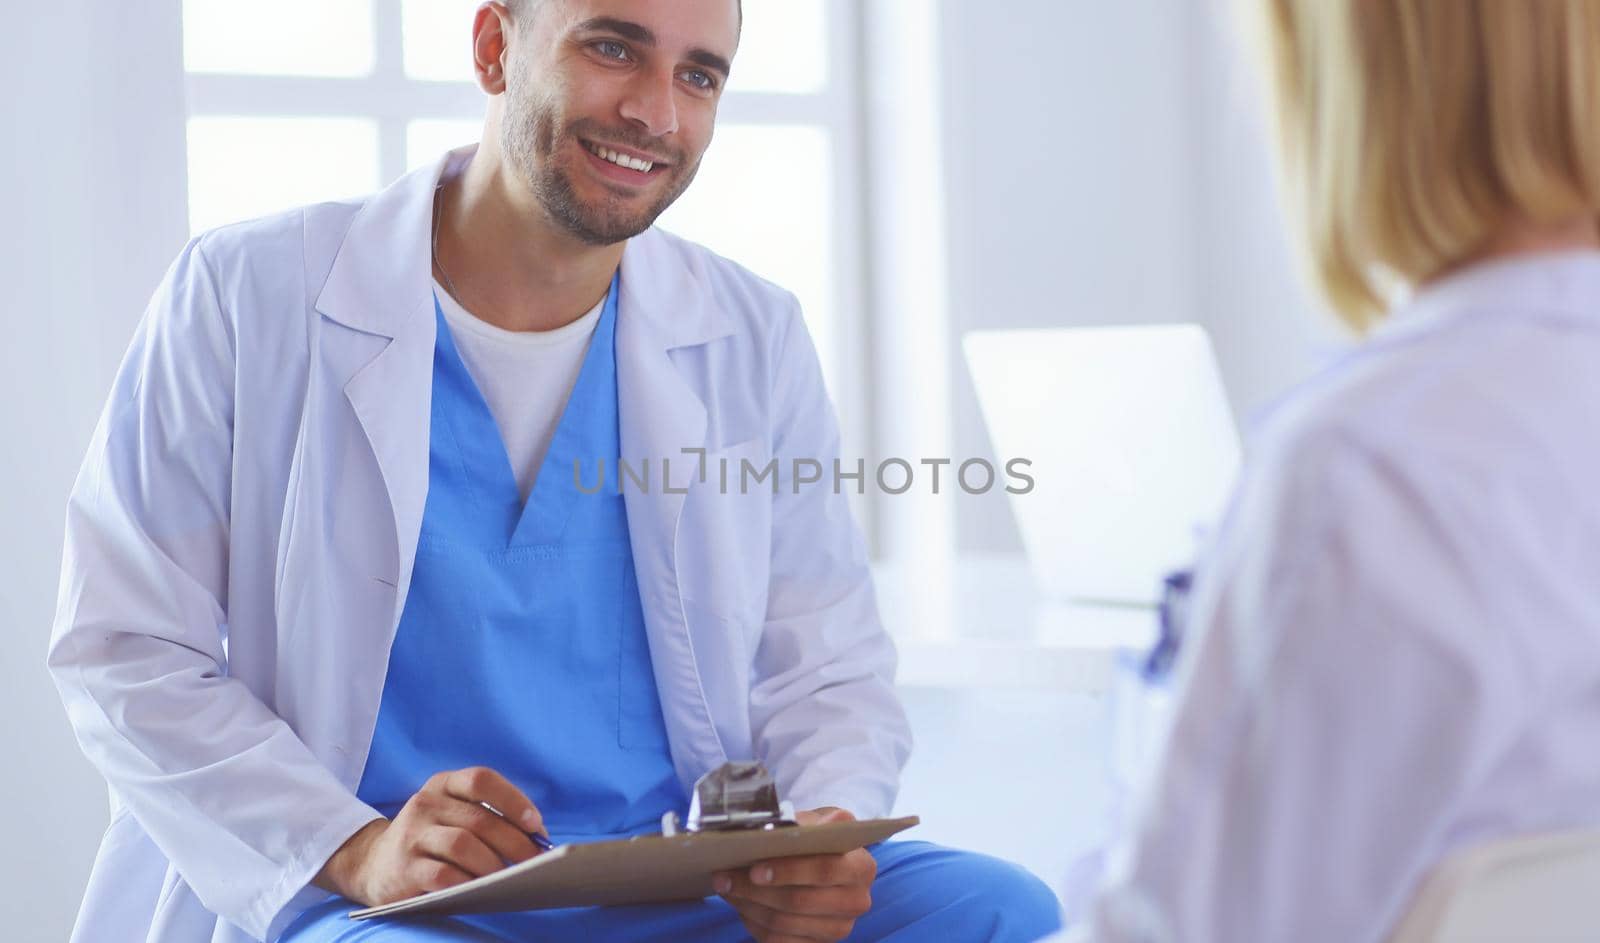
<point x="1105" y="164"/>
<point x="92" y="186"/>
<point x="1269" y="329"/>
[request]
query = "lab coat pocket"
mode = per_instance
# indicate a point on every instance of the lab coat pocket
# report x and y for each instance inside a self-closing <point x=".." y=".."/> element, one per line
<point x="724" y="648"/>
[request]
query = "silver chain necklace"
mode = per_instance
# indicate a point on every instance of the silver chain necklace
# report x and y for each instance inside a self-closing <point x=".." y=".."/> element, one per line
<point x="438" y="217"/>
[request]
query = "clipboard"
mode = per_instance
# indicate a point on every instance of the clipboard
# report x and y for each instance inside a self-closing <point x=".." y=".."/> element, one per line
<point x="649" y="869"/>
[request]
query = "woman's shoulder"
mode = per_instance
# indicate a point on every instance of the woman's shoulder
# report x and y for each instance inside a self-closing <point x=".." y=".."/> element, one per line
<point x="1489" y="396"/>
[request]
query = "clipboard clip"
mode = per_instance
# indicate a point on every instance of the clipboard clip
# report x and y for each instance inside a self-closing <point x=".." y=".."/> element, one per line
<point x="735" y="796"/>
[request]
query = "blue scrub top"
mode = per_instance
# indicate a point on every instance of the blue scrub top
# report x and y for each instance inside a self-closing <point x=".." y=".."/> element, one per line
<point x="522" y="645"/>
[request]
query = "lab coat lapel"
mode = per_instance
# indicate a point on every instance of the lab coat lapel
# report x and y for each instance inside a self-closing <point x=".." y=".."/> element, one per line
<point x="659" y="414"/>
<point x="381" y="285"/>
<point x="663" y="307"/>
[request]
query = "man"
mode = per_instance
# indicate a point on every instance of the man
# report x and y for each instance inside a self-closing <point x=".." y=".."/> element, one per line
<point x="341" y="624"/>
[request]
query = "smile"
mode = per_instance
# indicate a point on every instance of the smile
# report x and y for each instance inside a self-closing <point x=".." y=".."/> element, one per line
<point x="620" y="159"/>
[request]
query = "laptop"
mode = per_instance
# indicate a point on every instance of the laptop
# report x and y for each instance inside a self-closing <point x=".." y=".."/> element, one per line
<point x="1132" y="447"/>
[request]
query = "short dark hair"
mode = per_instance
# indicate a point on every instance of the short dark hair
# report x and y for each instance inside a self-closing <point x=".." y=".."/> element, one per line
<point x="519" y="7"/>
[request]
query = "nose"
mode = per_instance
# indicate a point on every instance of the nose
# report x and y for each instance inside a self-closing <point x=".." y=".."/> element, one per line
<point x="651" y="104"/>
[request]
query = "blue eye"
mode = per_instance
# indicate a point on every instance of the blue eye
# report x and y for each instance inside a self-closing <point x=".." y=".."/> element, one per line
<point x="700" y="80"/>
<point x="611" y="49"/>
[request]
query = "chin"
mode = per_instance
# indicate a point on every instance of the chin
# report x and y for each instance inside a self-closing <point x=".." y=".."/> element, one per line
<point x="617" y="222"/>
<point x="603" y="229"/>
<point x="600" y="215"/>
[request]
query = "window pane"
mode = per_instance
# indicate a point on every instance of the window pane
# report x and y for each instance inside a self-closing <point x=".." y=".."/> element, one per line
<point x="241" y="168"/>
<point x="764" y="198"/>
<point x="428" y="139"/>
<point x="783" y="48"/>
<point x="284" y="37"/>
<point x="438" y="39"/>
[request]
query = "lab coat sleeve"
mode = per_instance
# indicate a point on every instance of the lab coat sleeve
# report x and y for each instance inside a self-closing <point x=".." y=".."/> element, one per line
<point x="222" y="785"/>
<point x="1348" y="687"/>
<point x="824" y="713"/>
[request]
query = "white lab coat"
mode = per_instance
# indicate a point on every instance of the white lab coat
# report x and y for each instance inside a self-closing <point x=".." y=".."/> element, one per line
<point x="1396" y="647"/>
<point x="241" y="537"/>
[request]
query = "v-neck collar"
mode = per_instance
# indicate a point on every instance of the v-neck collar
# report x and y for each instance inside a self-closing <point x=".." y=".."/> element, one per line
<point x="588" y="424"/>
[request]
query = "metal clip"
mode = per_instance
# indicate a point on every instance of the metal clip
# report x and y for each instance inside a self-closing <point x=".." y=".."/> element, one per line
<point x="737" y="795"/>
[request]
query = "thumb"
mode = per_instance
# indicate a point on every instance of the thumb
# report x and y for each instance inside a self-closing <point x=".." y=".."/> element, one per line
<point x="824" y="815"/>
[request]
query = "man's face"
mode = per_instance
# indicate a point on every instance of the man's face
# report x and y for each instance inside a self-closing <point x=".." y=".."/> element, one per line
<point x="609" y="105"/>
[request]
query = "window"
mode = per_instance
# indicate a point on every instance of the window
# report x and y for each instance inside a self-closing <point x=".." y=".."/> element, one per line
<point x="304" y="100"/>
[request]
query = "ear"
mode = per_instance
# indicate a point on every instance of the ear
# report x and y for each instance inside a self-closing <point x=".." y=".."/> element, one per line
<point x="491" y="32"/>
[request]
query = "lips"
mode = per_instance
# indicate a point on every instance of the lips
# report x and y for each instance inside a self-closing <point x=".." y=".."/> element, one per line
<point x="638" y="162"/>
<point x="621" y="159"/>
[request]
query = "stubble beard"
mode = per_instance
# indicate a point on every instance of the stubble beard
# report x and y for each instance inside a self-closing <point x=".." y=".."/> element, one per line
<point x="532" y="136"/>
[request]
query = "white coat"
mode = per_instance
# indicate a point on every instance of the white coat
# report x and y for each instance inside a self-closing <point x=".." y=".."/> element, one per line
<point x="1396" y="651"/>
<point x="241" y="537"/>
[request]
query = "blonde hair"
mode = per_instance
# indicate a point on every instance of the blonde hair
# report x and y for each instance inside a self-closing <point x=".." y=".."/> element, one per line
<point x="1410" y="130"/>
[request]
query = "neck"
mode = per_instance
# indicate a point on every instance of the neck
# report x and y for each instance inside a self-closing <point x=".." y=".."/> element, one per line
<point x="508" y="262"/>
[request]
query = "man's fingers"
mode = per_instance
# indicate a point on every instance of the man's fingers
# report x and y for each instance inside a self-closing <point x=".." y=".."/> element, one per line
<point x="778" y="926"/>
<point x="458" y="847"/>
<point x="850" y="901"/>
<point x="856" y="867"/>
<point x="823" y="815"/>
<point x="506" y="840"/>
<point x="482" y="784"/>
<point x="430" y="874"/>
<point x="756" y="930"/>
<point x="762" y="935"/>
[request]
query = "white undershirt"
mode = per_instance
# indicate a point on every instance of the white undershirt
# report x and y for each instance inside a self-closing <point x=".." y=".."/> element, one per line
<point x="526" y="377"/>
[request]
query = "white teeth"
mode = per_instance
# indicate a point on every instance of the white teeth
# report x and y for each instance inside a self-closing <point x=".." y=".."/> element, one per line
<point x="622" y="160"/>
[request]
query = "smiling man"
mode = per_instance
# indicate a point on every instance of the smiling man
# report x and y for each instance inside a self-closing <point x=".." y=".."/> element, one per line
<point x="339" y="623"/>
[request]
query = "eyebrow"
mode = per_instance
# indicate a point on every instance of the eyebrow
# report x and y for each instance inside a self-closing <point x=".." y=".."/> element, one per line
<point x="638" y="33"/>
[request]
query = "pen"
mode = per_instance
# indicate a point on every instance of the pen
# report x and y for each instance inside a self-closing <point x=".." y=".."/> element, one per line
<point x="539" y="841"/>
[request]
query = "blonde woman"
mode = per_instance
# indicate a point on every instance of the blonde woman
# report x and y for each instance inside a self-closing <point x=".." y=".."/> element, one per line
<point x="1394" y="645"/>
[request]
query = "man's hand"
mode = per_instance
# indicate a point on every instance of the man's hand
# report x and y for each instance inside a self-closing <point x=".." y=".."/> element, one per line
<point x="803" y="899"/>
<point x="442" y="837"/>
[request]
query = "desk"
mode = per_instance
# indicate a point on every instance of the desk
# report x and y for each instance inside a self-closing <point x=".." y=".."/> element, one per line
<point x="982" y="623"/>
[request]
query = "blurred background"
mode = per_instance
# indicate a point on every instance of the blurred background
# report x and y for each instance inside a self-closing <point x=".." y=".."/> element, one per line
<point x="912" y="169"/>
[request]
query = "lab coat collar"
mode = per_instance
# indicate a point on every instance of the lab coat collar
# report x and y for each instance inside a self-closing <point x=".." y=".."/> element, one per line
<point x="664" y="292"/>
<point x="381" y="280"/>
